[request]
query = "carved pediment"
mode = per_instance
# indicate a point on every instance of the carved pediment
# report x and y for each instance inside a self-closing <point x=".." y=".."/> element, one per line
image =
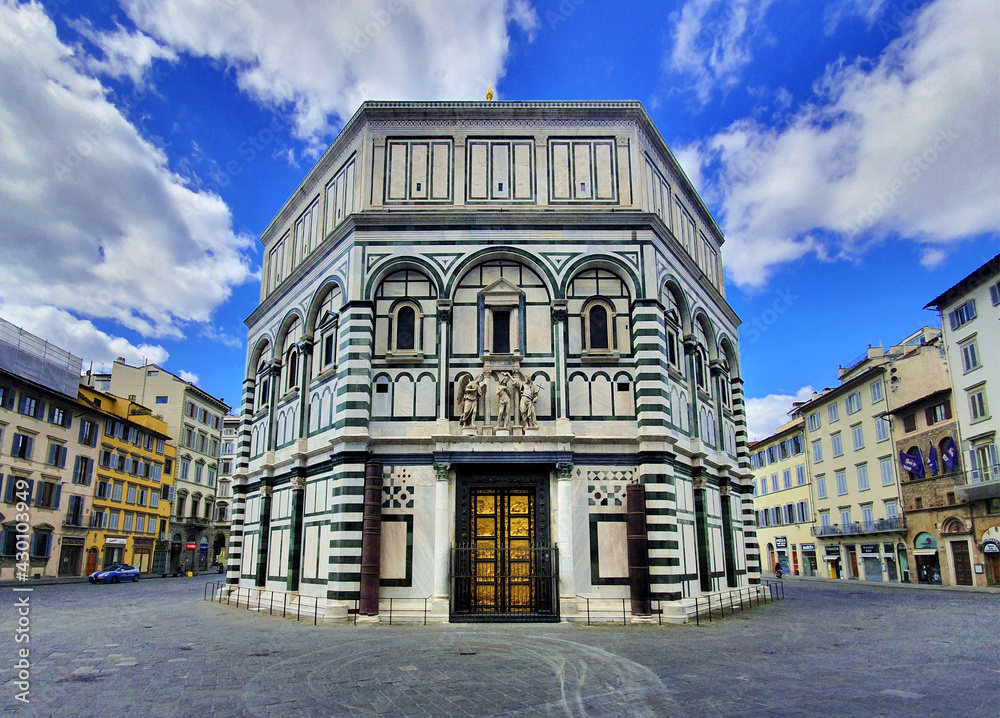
<point x="502" y="292"/>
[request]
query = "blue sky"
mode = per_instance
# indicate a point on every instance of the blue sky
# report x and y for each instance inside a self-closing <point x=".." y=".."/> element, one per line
<point x="849" y="148"/>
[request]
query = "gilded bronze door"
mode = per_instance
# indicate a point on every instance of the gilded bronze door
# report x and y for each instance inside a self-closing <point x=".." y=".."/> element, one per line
<point x="503" y="556"/>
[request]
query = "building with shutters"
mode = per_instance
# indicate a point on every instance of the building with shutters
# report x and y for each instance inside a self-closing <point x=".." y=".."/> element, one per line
<point x="194" y="418"/>
<point x="48" y="451"/>
<point x="507" y="321"/>
<point x="783" y="501"/>
<point x="132" y="488"/>
<point x="970" y="319"/>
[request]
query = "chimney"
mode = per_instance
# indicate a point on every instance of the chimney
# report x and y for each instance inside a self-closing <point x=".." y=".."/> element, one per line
<point x="120" y="360"/>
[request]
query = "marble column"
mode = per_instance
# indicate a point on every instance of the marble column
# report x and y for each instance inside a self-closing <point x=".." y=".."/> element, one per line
<point x="444" y="326"/>
<point x="564" y="529"/>
<point x="264" y="538"/>
<point x="442" y="535"/>
<point x="559" y="318"/>
<point x="295" y="538"/>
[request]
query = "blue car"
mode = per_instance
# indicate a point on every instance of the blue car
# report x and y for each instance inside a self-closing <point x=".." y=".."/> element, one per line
<point x="115" y="573"/>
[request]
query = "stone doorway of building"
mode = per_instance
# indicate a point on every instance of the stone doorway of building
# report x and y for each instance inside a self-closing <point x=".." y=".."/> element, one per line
<point x="962" y="563"/>
<point x="852" y="561"/>
<point x="69" y="559"/>
<point x="993" y="568"/>
<point x="503" y="568"/>
<point x="91" y="561"/>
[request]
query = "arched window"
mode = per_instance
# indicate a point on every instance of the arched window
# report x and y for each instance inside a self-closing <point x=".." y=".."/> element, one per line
<point x="406" y="320"/>
<point x="598" y="327"/>
<point x="263" y="385"/>
<point x="597" y="324"/>
<point x="291" y="368"/>
<point x="402" y="300"/>
<point x="701" y="373"/>
<point x="324" y="330"/>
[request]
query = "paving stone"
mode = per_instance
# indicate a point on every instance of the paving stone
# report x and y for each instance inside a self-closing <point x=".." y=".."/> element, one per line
<point x="829" y="649"/>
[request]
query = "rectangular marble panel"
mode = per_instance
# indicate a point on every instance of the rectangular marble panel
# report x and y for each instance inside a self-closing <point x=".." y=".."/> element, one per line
<point x="402" y="398"/>
<point x="522" y="169"/>
<point x="612" y="549"/>
<point x="426" y="397"/>
<point x="418" y="170"/>
<point x="311" y="537"/>
<point x="464" y="336"/>
<point x="393" y="549"/>
<point x="478" y="170"/>
<point x="600" y="396"/>
<point x="500" y="186"/>
<point x="538" y="323"/>
<point x="397" y="171"/>
<point x="604" y="180"/>
<point x="560" y="171"/>
<point x="440" y="170"/>
<point x="583" y="183"/>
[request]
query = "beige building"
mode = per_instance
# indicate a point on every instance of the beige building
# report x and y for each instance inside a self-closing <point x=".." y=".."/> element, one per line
<point x="860" y="529"/>
<point x="48" y="453"/>
<point x="194" y="418"/>
<point x="970" y="318"/>
<point x="783" y="502"/>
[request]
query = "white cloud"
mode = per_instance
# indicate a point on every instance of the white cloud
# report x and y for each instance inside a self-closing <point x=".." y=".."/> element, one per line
<point x="712" y="41"/>
<point x="838" y="11"/>
<point x="323" y="64"/>
<point x="94" y="221"/>
<point x="80" y="337"/>
<point x="188" y="376"/>
<point x="905" y="146"/>
<point x="933" y="257"/>
<point x="126" y="54"/>
<point x="766" y="414"/>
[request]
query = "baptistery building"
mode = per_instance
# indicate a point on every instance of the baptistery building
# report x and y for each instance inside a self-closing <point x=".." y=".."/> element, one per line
<point x="493" y="374"/>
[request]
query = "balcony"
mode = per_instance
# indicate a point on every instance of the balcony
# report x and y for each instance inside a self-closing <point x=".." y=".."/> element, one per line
<point x="858" y="528"/>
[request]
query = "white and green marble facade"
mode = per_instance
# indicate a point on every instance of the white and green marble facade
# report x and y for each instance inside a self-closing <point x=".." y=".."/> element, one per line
<point x="459" y="212"/>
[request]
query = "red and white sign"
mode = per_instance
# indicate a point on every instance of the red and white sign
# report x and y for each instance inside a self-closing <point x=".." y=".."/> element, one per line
<point x="191" y="546"/>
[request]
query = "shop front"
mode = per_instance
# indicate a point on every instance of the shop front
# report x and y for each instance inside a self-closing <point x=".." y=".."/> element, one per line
<point x="781" y="554"/>
<point x="833" y="562"/>
<point x="114" y="550"/>
<point x="142" y="554"/>
<point x="872" y="561"/>
<point x="991" y="552"/>
<point x="71" y="556"/>
<point x="809" y="566"/>
<point x="925" y="554"/>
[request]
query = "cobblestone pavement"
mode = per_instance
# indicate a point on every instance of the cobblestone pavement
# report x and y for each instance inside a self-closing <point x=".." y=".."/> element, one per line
<point x="156" y="649"/>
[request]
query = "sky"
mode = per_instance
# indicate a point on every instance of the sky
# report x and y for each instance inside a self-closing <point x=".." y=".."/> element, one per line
<point x="850" y="150"/>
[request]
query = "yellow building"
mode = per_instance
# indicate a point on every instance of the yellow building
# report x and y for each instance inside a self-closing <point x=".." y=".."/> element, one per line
<point x="782" y="501"/>
<point x="133" y="491"/>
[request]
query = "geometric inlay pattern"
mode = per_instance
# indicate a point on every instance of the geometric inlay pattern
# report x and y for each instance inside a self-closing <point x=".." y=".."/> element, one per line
<point x="397" y="488"/>
<point x="607" y="488"/>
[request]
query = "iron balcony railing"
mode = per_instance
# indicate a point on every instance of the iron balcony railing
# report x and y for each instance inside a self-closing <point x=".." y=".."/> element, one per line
<point x="861" y="527"/>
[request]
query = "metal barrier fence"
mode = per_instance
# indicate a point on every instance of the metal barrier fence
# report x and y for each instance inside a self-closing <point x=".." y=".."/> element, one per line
<point x="250" y="595"/>
<point x="767" y="590"/>
<point x="740" y="598"/>
<point x="263" y="598"/>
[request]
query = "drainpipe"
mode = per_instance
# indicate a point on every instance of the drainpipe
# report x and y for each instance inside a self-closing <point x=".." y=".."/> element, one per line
<point x="371" y="540"/>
